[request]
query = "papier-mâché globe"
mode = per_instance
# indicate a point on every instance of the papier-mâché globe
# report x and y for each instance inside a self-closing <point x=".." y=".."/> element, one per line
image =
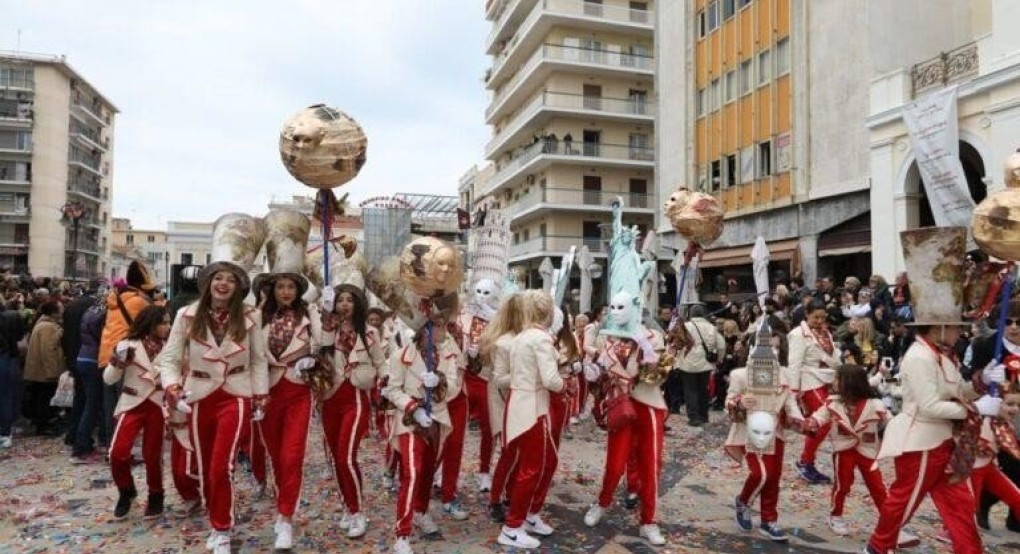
<point x="322" y="147"/>
<point x="995" y="223"/>
<point x="431" y="267"/>
<point x="696" y="216"/>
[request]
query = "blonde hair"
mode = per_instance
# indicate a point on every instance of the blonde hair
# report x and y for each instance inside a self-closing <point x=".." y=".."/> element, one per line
<point x="509" y="319"/>
<point x="865" y="331"/>
<point x="730" y="328"/>
<point x="537" y="307"/>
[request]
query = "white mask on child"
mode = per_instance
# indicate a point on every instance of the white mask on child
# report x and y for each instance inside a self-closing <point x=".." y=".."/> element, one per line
<point x="761" y="429"/>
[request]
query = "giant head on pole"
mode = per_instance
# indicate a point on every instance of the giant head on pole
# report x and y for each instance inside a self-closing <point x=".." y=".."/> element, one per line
<point x="322" y="147"/>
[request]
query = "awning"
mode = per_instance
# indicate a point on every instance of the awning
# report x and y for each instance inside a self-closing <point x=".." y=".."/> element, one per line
<point x="741" y="255"/>
<point x="845" y="250"/>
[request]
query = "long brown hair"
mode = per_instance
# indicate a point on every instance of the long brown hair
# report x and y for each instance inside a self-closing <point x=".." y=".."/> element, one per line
<point x="270" y="307"/>
<point x="509" y="319"/>
<point x="567" y="341"/>
<point x="236" y="327"/>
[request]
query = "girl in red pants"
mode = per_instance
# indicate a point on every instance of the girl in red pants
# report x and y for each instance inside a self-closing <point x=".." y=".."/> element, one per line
<point x="346" y="408"/>
<point x="183" y="466"/>
<point x="219" y="340"/>
<point x="421" y="425"/>
<point x="292" y="335"/>
<point x="527" y="433"/>
<point x="476" y="386"/>
<point x="452" y="454"/>
<point x="568" y="360"/>
<point x="139" y="409"/>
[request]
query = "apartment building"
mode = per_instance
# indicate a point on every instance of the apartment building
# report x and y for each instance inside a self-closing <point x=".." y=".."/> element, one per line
<point x="56" y="149"/>
<point x="573" y="111"/>
<point x="147" y="246"/>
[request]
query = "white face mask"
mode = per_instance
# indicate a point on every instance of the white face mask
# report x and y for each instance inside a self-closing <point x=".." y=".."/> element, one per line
<point x="557" y="322"/>
<point x="761" y="429"/>
<point x="621" y="309"/>
<point x="486" y="293"/>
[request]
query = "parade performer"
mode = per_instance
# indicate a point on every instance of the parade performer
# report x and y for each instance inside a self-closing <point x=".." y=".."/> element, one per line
<point x="568" y="361"/>
<point x="935" y="400"/>
<point x="578" y="404"/>
<point x="527" y="436"/>
<point x="139" y="409"/>
<point x="813" y="359"/>
<point x="452" y="453"/>
<point x="183" y="465"/>
<point x="218" y="340"/>
<point x="763" y="411"/>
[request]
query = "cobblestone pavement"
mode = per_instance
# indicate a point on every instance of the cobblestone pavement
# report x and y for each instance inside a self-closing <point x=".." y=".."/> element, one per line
<point x="48" y="505"/>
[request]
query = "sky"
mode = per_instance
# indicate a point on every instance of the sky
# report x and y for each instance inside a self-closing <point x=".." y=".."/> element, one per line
<point x="204" y="87"/>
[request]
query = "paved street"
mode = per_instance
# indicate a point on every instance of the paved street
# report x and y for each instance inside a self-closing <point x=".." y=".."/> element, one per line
<point x="48" y="505"/>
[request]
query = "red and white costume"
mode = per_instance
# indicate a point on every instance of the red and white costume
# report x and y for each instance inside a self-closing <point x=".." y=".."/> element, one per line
<point x="561" y="403"/>
<point x="183" y="464"/>
<point x="920" y="440"/>
<point x="222" y="377"/>
<point x="499" y="388"/>
<point x="765" y="467"/>
<point x="477" y="388"/>
<point x="452" y="453"/>
<point x="987" y="477"/>
<point x="855" y="445"/>
<point x="139" y="410"/>
<point x="346" y="408"/>
<point x="813" y="361"/>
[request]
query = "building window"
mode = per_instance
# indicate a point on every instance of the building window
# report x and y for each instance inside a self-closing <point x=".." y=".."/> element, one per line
<point x="731" y="86"/>
<point x="728" y="9"/>
<point x="517" y="238"/>
<point x="640" y="147"/>
<point x="716" y="175"/>
<point x="746" y="77"/>
<point x="702" y="24"/>
<point x="713" y="95"/>
<point x="541" y="230"/>
<point x="713" y="15"/>
<point x="764" y="67"/>
<point x="703" y="178"/>
<point x="783" y="57"/>
<point x="702" y="102"/>
<point x="731" y="170"/>
<point x="527" y="235"/>
<point x="639" y="12"/>
<point x="741" y="4"/>
<point x="208" y="259"/>
<point x="151" y="238"/>
<point x="130" y="239"/>
<point x="765" y="158"/>
<point x="186" y="258"/>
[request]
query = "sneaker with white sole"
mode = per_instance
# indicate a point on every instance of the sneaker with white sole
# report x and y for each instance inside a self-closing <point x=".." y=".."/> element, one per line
<point x="219" y="542"/>
<point x="773" y="531"/>
<point x="652" y="534"/>
<point x="906" y="539"/>
<point x="284" y="536"/>
<point x="424" y="522"/>
<point x="517" y="538"/>
<point x="345" y="521"/>
<point x="594" y="515"/>
<point x="484" y="482"/>
<point x="454" y="511"/>
<point x="839" y="526"/>
<point x="357" y="527"/>
<point x="534" y="524"/>
<point x="742" y="515"/>
<point x="6" y="441"/>
<point x="943" y="536"/>
<point x="402" y="546"/>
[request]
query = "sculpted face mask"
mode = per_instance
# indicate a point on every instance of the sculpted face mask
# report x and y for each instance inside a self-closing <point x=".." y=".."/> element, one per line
<point x="761" y="429"/>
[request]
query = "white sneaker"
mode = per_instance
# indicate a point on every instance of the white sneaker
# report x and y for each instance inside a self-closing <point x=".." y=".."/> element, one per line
<point x="653" y="535"/>
<point x="535" y="524"/>
<point x="839" y="526"/>
<point x="345" y="521"/>
<point x="907" y="539"/>
<point x="6" y="441"/>
<point x="517" y="538"/>
<point x="484" y="482"/>
<point x="454" y="510"/>
<point x="425" y="523"/>
<point x="402" y="546"/>
<point x="219" y="542"/>
<point x="594" y="515"/>
<point x="357" y="527"/>
<point x="574" y="420"/>
<point x="284" y="536"/>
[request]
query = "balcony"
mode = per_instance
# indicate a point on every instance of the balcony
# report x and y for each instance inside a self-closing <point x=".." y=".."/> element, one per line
<point x="17" y="79"/>
<point x="90" y="139"/>
<point x="15" y="173"/>
<point x="947" y="68"/>
<point x="546" y="105"/>
<point x="576" y="199"/>
<point x="555" y="57"/>
<point x="11" y="212"/>
<point x="85" y="161"/>
<point x="548" y="14"/>
<point x="92" y="111"/>
<point x="90" y="191"/>
<point x="541" y="247"/>
<point x="509" y="19"/>
<point x="15" y="119"/>
<point x="544" y="153"/>
<point x="85" y="245"/>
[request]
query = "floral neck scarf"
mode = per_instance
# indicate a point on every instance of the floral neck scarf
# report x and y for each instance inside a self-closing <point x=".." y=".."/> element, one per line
<point x="281" y="331"/>
<point x="218" y="318"/>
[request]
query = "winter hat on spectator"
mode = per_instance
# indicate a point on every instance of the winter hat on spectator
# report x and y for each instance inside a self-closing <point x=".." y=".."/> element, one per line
<point x="138" y="277"/>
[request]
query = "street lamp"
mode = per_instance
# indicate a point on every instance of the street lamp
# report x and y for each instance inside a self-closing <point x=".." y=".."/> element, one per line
<point x="72" y="214"/>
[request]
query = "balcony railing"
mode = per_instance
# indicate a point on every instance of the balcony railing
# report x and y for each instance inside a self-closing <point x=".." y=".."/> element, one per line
<point x="10" y="78"/>
<point x="572" y="149"/>
<point x="84" y="245"/>
<point x="552" y="243"/>
<point x="576" y="197"/>
<point x="16" y="172"/>
<point x="946" y="68"/>
<point x="497" y="27"/>
<point x="88" y="160"/>
<point x="638" y="107"/>
<point x="92" y="191"/>
<point x="93" y="109"/>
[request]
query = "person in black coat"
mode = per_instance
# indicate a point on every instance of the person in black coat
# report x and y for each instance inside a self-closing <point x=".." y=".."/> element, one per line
<point x="12" y="330"/>
<point x="69" y="343"/>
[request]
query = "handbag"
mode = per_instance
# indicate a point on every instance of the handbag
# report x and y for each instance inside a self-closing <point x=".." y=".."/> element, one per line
<point x="64" y="397"/>
<point x="615" y="409"/>
<point x="711" y="356"/>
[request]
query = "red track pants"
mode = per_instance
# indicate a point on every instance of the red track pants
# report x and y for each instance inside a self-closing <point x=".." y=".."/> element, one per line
<point x="581" y="398"/>
<point x="345" y="418"/>
<point x="453" y="448"/>
<point x="506" y="470"/>
<point x="919" y="474"/>
<point x="765" y="470"/>
<point x="255" y="446"/>
<point x="417" y="468"/>
<point x="814" y="399"/>
<point x="990" y="478"/>
<point x="218" y="424"/>
<point x="145" y="418"/>
<point x="559" y="406"/>
<point x="645" y="439"/>
<point x="284" y="429"/>
<point x="478" y="409"/>
<point x="184" y="469"/>
<point x="844" y="462"/>
<point x="536" y="458"/>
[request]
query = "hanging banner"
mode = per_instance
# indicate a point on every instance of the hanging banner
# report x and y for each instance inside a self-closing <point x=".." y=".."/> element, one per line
<point x="934" y="135"/>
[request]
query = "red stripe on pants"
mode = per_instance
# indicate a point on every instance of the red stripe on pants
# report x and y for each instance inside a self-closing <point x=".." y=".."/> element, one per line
<point x="581" y="398"/>
<point x="145" y="418"/>
<point x="417" y="468"/>
<point x="814" y="399"/>
<point x="506" y="468"/>
<point x="453" y="448"/>
<point x="285" y="432"/>
<point x="344" y="424"/>
<point x="218" y="424"/>
<point x="991" y="479"/>
<point x="536" y="459"/>
<point x="919" y="474"/>
<point x="645" y="438"/>
<point x="844" y="462"/>
<point x="478" y="408"/>
<point x="182" y="467"/>
<point x="765" y="470"/>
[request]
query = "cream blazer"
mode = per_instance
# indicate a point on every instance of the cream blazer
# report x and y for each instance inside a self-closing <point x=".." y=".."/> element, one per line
<point x="736" y="441"/>
<point x="308" y="337"/>
<point x="533" y="373"/>
<point x="466" y="320"/>
<point x="806" y="359"/>
<point x="362" y="366"/>
<point x="141" y="382"/>
<point x="499" y="384"/>
<point x="239" y="368"/>
<point x="934" y="396"/>
<point x="861" y="435"/>
<point x="405" y="390"/>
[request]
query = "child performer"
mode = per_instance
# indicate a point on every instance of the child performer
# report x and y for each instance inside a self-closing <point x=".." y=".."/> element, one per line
<point x="495" y="351"/>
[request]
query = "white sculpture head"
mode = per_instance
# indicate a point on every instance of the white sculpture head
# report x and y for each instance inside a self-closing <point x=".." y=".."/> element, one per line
<point x="761" y="429"/>
<point x="622" y="309"/>
<point x="486" y="293"/>
<point x="557" y="322"/>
